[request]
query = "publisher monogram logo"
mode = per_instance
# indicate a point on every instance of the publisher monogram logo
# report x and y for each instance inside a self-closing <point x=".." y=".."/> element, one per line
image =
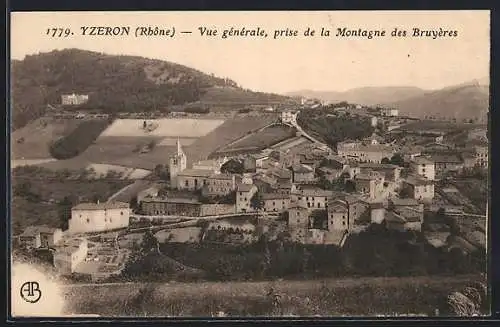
<point x="30" y="292"/>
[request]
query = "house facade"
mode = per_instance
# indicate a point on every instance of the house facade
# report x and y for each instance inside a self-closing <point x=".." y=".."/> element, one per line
<point x="219" y="185"/>
<point x="193" y="179"/>
<point x="275" y="202"/>
<point x="35" y="237"/>
<point x="244" y="194"/>
<point x="424" y="167"/>
<point x="420" y="188"/>
<point x="302" y="174"/>
<point x="70" y="254"/>
<point x="74" y="99"/>
<point x="98" y="217"/>
<point x="371" y="153"/>
<point x="298" y="217"/>
<point x="345" y="211"/>
<point x="311" y="198"/>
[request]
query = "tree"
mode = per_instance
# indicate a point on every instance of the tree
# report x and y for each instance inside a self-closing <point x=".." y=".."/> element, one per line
<point x="319" y="218"/>
<point x="151" y="144"/>
<point x="64" y="211"/>
<point x="385" y="161"/>
<point x="405" y="193"/>
<point x="149" y="242"/>
<point x="233" y="166"/>
<point x="398" y="160"/>
<point x="134" y="204"/>
<point x="162" y="172"/>
<point x="350" y="186"/>
<point x="256" y="202"/>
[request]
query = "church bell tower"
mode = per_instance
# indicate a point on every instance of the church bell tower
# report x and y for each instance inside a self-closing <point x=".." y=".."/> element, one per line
<point x="177" y="164"/>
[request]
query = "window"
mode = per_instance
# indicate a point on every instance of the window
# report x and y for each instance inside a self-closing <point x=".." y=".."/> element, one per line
<point x="186" y="183"/>
<point x="88" y="221"/>
<point x="121" y="213"/>
<point x="319" y="205"/>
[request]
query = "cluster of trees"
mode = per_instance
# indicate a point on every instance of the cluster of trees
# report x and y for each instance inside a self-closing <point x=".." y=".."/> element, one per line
<point x="221" y="199"/>
<point x="375" y="252"/>
<point x="78" y="140"/>
<point x="197" y="110"/>
<point x="233" y="166"/>
<point x="397" y="159"/>
<point x="162" y="172"/>
<point x="334" y="129"/>
<point x="45" y="197"/>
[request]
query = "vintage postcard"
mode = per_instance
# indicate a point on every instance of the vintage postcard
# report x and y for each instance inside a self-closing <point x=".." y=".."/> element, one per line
<point x="249" y="164"/>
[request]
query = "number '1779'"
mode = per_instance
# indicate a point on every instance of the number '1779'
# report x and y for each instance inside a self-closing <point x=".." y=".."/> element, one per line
<point x="59" y="32"/>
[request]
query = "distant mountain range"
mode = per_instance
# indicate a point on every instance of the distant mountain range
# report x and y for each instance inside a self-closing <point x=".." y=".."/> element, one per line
<point x="465" y="101"/>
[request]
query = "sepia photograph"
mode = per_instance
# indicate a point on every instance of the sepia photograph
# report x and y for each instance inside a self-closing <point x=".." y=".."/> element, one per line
<point x="249" y="164"/>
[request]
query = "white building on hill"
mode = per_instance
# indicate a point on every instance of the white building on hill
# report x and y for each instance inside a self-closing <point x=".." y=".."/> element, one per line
<point x="99" y="217"/>
<point x="74" y="99"/>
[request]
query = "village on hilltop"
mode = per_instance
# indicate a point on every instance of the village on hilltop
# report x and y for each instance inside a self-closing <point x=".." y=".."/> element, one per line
<point x="300" y="190"/>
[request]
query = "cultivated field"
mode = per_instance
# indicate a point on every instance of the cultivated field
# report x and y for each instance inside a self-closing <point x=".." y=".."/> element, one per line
<point x="444" y="126"/>
<point x="367" y="296"/>
<point x="231" y="130"/>
<point x="125" y="143"/>
<point x="291" y="143"/>
<point x="166" y="127"/>
<point x="33" y="140"/>
<point x="28" y="162"/>
<point x="261" y="139"/>
<point x="102" y="170"/>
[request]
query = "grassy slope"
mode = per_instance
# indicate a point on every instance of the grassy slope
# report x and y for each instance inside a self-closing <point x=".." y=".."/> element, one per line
<point x="38" y="135"/>
<point x="231" y="130"/>
<point x="267" y="137"/>
<point x="49" y="187"/>
<point x="333" y="297"/>
<point x="461" y="102"/>
<point x="116" y="84"/>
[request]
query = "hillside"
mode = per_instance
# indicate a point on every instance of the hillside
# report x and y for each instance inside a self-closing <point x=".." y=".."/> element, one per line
<point x="462" y="102"/>
<point x="364" y="95"/>
<point x="114" y="84"/>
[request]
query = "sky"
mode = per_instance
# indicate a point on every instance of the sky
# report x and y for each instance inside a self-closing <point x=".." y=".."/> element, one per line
<point x="288" y="63"/>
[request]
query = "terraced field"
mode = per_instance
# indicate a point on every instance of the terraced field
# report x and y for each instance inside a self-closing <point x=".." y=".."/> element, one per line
<point x="123" y="142"/>
<point x="33" y="140"/>
<point x="260" y="140"/>
<point x="166" y="127"/>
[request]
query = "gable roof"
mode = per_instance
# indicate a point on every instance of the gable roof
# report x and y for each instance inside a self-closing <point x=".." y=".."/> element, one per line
<point x="274" y="196"/>
<point x="196" y="172"/>
<point x="101" y="206"/>
<point x="245" y="187"/>
<point x="31" y="231"/>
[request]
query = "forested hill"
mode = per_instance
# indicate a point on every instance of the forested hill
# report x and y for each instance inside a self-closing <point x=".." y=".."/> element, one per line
<point x="113" y="83"/>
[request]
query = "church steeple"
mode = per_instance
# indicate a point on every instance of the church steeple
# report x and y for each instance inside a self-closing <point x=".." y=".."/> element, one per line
<point x="179" y="148"/>
<point x="178" y="162"/>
